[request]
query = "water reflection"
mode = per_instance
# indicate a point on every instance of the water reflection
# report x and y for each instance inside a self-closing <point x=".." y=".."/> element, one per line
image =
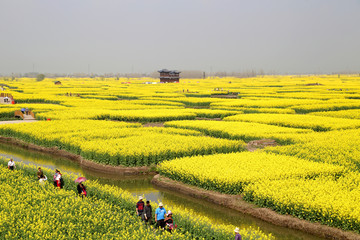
<point x="141" y="185"/>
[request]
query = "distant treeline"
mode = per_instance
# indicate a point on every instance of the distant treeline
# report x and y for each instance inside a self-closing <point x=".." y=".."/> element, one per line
<point x="155" y="74"/>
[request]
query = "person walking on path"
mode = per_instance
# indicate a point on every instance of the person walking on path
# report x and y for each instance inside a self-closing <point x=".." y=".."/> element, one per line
<point x="140" y="207"/>
<point x="81" y="189"/>
<point x="237" y="234"/>
<point x="160" y="216"/>
<point x="169" y="221"/>
<point x="11" y="164"/>
<point x="58" y="179"/>
<point x="148" y="213"/>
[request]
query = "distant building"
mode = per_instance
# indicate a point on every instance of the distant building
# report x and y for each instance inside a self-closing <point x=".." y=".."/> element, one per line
<point x="57" y="83"/>
<point x="167" y="76"/>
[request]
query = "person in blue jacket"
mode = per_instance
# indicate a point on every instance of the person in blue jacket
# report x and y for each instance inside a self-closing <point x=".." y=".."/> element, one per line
<point x="160" y="215"/>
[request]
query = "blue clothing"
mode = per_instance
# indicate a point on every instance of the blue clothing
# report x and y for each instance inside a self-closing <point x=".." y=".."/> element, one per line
<point x="237" y="236"/>
<point x="160" y="213"/>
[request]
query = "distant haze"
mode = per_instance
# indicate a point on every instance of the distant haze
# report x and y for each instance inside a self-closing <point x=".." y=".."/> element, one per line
<point x="119" y="36"/>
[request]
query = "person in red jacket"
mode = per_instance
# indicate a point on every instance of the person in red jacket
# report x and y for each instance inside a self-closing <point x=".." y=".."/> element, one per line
<point x="140" y="207"/>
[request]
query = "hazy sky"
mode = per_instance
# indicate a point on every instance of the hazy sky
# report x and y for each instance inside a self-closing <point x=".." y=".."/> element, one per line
<point x="65" y="36"/>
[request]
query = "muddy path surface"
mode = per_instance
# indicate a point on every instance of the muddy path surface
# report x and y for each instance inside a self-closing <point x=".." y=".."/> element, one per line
<point x="260" y="144"/>
<point x="17" y="121"/>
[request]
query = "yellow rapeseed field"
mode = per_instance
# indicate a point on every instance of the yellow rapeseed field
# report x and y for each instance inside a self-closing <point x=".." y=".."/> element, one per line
<point x="119" y="143"/>
<point x="315" y="119"/>
<point x="229" y="173"/>
<point x="30" y="210"/>
<point x="330" y="201"/>
<point x="241" y="130"/>
<point x="317" y="123"/>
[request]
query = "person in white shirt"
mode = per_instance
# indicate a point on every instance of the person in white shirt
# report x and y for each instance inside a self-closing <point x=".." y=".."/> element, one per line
<point x="43" y="179"/>
<point x="11" y="164"/>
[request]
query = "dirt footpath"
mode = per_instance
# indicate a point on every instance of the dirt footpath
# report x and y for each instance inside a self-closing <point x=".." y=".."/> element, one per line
<point x="17" y="121"/>
<point x="260" y="144"/>
<point x="156" y="124"/>
<point x="235" y="202"/>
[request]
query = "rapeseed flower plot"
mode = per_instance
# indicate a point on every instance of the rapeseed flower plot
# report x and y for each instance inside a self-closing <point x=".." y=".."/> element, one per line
<point x="7" y="112"/>
<point x="241" y="130"/>
<point x="331" y="105"/>
<point x="264" y="102"/>
<point x="119" y="143"/>
<point x="317" y="123"/>
<point x="256" y="110"/>
<point x="352" y="114"/>
<point x="330" y="201"/>
<point x="340" y="147"/>
<point x="230" y="173"/>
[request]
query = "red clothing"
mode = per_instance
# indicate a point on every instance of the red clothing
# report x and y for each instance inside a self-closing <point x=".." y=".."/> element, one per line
<point x="169" y="223"/>
<point x="140" y="207"/>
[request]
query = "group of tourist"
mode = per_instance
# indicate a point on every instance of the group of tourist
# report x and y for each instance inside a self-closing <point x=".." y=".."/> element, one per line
<point x="57" y="179"/>
<point x="25" y="111"/>
<point x="163" y="219"/>
<point x="72" y="94"/>
<point x="6" y="99"/>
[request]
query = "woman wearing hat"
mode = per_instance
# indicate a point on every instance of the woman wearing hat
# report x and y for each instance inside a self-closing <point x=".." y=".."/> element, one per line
<point x="169" y="221"/>
<point x="237" y="234"/>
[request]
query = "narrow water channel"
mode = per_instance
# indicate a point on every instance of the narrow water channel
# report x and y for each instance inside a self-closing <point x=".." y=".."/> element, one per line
<point x="141" y="185"/>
